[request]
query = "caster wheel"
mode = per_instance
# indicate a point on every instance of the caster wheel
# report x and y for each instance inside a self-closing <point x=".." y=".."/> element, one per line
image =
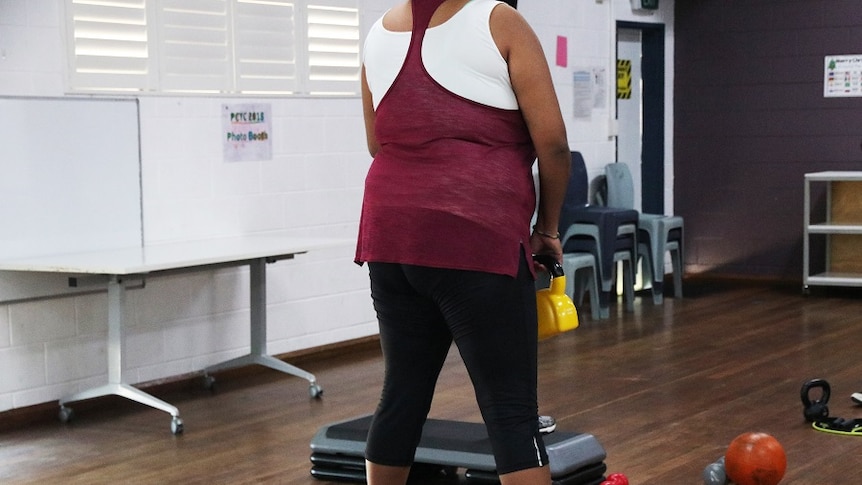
<point x="65" y="414"/>
<point x="315" y="390"/>
<point x="176" y="425"/>
<point x="209" y="383"/>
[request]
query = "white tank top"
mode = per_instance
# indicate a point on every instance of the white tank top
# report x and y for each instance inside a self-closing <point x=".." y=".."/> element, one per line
<point x="459" y="54"/>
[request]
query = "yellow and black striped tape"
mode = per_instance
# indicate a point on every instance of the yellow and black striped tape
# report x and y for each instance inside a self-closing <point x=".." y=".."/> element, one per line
<point x="624" y="79"/>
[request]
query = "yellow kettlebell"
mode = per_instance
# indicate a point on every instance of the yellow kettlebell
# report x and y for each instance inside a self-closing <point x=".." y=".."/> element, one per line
<point x="556" y="311"/>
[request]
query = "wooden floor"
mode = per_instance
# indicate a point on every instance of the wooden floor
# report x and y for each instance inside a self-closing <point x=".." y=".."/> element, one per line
<point x="664" y="389"/>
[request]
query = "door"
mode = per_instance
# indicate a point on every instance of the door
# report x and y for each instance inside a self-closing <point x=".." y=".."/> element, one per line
<point x="640" y="110"/>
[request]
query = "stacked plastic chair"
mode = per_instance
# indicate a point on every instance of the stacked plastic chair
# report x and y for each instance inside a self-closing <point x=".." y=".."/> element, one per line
<point x="606" y="234"/>
<point x="658" y="234"/>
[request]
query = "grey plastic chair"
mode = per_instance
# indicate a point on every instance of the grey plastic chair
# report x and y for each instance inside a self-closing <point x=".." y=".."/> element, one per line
<point x="578" y="262"/>
<point x="609" y="235"/>
<point x="657" y="234"/>
<point x="582" y="278"/>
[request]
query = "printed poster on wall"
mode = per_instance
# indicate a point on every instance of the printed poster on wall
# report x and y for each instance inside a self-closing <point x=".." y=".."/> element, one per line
<point x="246" y="132"/>
<point x="842" y="76"/>
<point x="582" y="81"/>
<point x="589" y="90"/>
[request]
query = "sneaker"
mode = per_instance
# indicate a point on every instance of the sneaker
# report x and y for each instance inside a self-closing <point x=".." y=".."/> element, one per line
<point x="856" y="397"/>
<point x="547" y="424"/>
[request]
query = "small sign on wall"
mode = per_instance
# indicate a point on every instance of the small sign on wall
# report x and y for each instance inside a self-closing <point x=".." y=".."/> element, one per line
<point x="842" y="76"/>
<point x="562" y="51"/>
<point x="582" y="82"/>
<point x="644" y="4"/>
<point x="246" y="132"/>
<point x="589" y="90"/>
<point x="624" y="79"/>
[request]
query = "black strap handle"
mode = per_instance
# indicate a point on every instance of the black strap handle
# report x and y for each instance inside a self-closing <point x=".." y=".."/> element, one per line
<point x="554" y="267"/>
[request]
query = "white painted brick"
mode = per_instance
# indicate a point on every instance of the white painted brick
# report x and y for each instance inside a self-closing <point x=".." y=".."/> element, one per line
<point x="199" y="336"/>
<point x="357" y="166"/>
<point x="202" y="135"/>
<point x="47" y="83"/>
<point x="318" y="315"/>
<point x="42" y="320"/>
<point x="284" y="173"/>
<point x="293" y="318"/>
<point x="162" y="221"/>
<point x="304" y="135"/>
<point x="45" y="49"/>
<point x="13" y="12"/>
<point x="181" y="180"/>
<point x="214" y="217"/>
<point x="345" y="205"/>
<point x="13" y="83"/>
<point x="201" y="362"/>
<point x="23" y="367"/>
<point x="164" y="370"/>
<point x="43" y="394"/>
<point x="75" y="359"/>
<point x="5" y="329"/>
<point x="235" y="178"/>
<point x="188" y="220"/>
<point x="293" y="280"/>
<point x="92" y="313"/>
<point x="144" y="346"/>
<point x="163" y="300"/>
<point x="13" y="41"/>
<point x="325" y="171"/>
<point x="345" y="134"/>
<point x="260" y="214"/>
<point x="220" y="291"/>
<point x="43" y="13"/>
<point x="6" y="401"/>
<point x="158" y="140"/>
<point x="174" y="136"/>
<point x="325" y="338"/>
<point x="201" y="300"/>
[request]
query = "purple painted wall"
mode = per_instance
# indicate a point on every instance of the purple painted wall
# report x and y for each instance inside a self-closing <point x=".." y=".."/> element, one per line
<point x="750" y="119"/>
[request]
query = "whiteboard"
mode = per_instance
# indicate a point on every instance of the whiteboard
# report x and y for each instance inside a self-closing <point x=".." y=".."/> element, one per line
<point x="70" y="181"/>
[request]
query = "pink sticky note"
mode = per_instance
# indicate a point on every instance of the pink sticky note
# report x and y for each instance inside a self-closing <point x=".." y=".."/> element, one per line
<point x="562" y="51"/>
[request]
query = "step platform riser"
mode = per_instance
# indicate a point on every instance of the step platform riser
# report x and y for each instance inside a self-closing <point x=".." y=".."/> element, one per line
<point x="338" y="452"/>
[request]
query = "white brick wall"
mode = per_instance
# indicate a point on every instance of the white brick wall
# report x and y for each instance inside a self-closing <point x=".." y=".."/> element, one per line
<point x="312" y="186"/>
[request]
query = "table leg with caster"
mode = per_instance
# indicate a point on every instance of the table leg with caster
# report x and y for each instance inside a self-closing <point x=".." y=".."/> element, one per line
<point x="115" y="385"/>
<point x="258" y="354"/>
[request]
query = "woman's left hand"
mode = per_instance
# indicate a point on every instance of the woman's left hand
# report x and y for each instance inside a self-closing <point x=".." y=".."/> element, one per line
<point x="540" y="244"/>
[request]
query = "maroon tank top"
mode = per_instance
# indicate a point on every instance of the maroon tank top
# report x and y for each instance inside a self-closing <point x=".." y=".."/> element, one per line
<point x="451" y="185"/>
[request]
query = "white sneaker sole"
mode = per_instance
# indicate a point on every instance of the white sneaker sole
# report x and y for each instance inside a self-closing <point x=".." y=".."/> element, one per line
<point x="547" y="424"/>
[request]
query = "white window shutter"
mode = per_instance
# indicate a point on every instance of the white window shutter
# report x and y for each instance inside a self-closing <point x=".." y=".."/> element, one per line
<point x="273" y="47"/>
<point x="265" y="46"/>
<point x="333" y="47"/>
<point x="194" y="46"/>
<point x="108" y="45"/>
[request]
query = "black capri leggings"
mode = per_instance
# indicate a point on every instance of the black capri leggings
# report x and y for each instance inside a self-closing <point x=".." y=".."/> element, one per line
<point x="492" y="319"/>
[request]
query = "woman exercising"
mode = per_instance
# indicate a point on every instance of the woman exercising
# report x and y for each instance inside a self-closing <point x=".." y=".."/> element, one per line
<point x="458" y="104"/>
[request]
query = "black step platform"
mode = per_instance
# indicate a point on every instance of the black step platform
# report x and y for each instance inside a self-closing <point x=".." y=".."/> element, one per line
<point x="338" y="450"/>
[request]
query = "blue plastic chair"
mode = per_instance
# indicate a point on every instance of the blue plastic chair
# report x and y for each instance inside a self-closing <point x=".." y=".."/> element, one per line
<point x="608" y="234"/>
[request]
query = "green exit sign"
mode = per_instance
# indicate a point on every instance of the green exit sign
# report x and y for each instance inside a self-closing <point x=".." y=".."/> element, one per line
<point x="645" y="4"/>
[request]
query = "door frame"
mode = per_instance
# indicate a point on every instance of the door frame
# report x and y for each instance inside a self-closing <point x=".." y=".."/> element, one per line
<point x="653" y="101"/>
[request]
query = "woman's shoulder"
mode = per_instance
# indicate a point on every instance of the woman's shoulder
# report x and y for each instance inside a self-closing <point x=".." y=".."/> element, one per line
<point x="398" y="18"/>
<point x="507" y="27"/>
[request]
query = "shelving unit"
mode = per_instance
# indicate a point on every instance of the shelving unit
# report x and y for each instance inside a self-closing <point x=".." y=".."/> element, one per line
<point x="840" y="222"/>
